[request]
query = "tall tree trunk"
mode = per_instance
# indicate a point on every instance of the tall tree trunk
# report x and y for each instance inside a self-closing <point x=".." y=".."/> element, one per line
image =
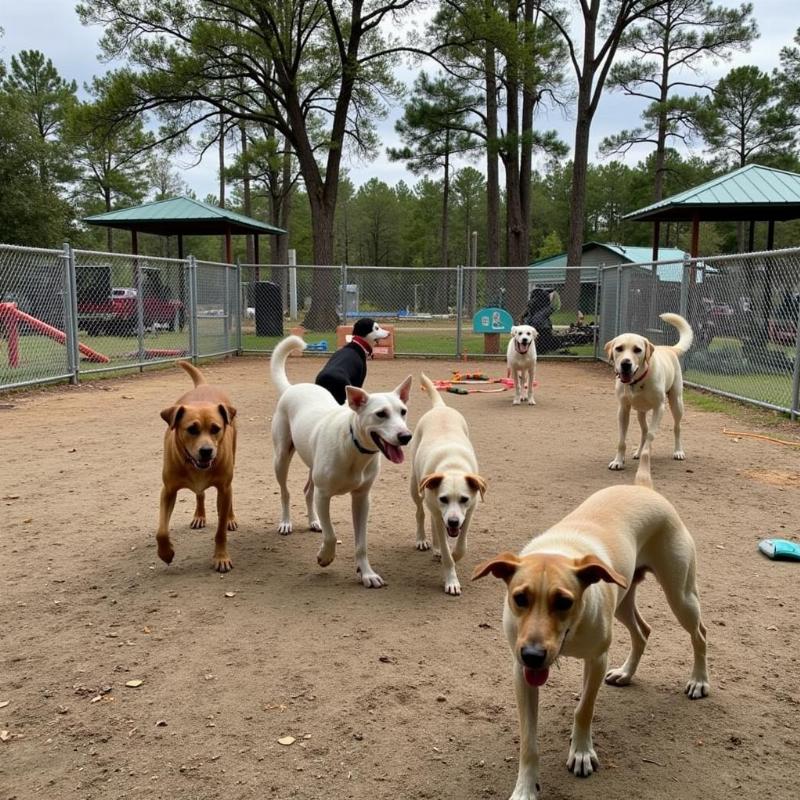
<point x="221" y="159"/>
<point x="109" y="231"/>
<point x="493" y="274"/>
<point x="246" y="195"/>
<point x="442" y="276"/>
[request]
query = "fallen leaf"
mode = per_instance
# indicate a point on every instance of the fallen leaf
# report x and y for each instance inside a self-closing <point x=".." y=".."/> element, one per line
<point x="134" y="684"/>
<point x="230" y="594"/>
<point x="5" y="736"/>
<point x="161" y="723"/>
<point x="27" y="521"/>
<point x="286" y="740"/>
<point x="11" y="497"/>
<point x="4" y="703"/>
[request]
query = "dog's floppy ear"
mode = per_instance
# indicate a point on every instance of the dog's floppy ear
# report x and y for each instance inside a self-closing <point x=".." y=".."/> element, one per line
<point x="432" y="481"/>
<point x="356" y="397"/>
<point x="228" y="413"/>
<point x="648" y="349"/>
<point x="404" y="389"/>
<point x="502" y="566"/>
<point x="590" y="569"/>
<point x="513" y="329"/>
<point x="608" y="347"/>
<point x="172" y="415"/>
<point x="535" y="333"/>
<point x="476" y="483"/>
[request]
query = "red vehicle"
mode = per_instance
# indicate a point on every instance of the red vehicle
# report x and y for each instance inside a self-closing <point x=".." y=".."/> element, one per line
<point x="103" y="310"/>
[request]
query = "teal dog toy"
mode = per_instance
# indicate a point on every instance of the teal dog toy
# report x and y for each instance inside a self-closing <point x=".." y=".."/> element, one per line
<point x="780" y="549"/>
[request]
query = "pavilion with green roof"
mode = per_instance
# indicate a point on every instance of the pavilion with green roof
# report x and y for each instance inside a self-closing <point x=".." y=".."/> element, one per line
<point x="184" y="216"/>
<point x="751" y="194"/>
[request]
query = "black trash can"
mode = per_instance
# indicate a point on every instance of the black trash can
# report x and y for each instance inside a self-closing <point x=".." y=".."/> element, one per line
<point x="268" y="305"/>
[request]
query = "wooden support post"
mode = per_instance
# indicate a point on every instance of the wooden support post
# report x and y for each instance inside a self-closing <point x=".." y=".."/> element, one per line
<point x="228" y="245"/>
<point x="180" y="246"/>
<point x="256" y="257"/>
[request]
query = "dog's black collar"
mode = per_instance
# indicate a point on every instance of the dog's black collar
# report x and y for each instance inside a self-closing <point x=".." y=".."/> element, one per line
<point x="359" y="446"/>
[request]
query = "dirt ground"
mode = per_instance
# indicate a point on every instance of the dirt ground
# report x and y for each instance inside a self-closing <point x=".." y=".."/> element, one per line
<point x="401" y="692"/>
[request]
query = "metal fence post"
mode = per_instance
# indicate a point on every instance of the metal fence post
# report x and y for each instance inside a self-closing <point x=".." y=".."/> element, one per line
<point x="344" y="293"/>
<point x="192" y="268"/>
<point x="597" y="281"/>
<point x="71" y="313"/>
<point x="293" y="284"/>
<point x="795" y="404"/>
<point x="139" y="311"/>
<point x="459" y="306"/>
<point x="226" y="304"/>
<point x="684" y="300"/>
<point x="618" y="309"/>
<point x="238" y="279"/>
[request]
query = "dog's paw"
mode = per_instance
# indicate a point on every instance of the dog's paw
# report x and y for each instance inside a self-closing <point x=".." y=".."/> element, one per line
<point x="326" y="554"/>
<point x="582" y="762"/>
<point x="452" y="587"/>
<point x="166" y="553"/>
<point x="515" y="401"/>
<point x="635" y="455"/>
<point x="423" y="544"/>
<point x="618" y="677"/>
<point x="370" y="579"/>
<point x="315" y="525"/>
<point x="222" y="563"/>
<point x="526" y="792"/>
<point x="285" y="528"/>
<point x="679" y="455"/>
<point x="233" y="524"/>
<point x="197" y="523"/>
<point x="617" y="463"/>
<point x="531" y="401"/>
<point x="697" y="688"/>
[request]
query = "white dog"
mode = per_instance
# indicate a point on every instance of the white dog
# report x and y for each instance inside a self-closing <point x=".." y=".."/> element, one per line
<point x="564" y="591"/>
<point x="444" y="477"/>
<point x="521" y="360"/>
<point x="648" y="376"/>
<point x="341" y="446"/>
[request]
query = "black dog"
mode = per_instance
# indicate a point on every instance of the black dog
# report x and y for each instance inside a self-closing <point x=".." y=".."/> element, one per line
<point x="348" y="366"/>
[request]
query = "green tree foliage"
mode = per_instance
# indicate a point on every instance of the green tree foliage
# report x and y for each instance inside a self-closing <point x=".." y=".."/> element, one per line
<point x="746" y="120"/>
<point x="669" y="44"/>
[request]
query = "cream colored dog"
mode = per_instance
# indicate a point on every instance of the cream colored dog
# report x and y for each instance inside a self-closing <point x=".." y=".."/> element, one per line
<point x="444" y="477"/>
<point x="648" y="376"/>
<point x="521" y="361"/>
<point x="564" y="590"/>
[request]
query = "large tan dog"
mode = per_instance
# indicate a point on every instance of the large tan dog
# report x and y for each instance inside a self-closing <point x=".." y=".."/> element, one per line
<point x="648" y="376"/>
<point x="199" y="452"/>
<point x="566" y="587"/>
<point x="444" y="477"/>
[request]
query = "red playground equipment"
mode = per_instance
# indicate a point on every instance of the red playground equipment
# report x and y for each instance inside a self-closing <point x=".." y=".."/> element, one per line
<point x="11" y="316"/>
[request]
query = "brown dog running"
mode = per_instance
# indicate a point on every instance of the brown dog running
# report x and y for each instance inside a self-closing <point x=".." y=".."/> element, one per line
<point x="199" y="452"/>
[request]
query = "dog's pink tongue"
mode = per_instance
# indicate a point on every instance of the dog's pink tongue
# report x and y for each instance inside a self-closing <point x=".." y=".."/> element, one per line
<point x="536" y="677"/>
<point x="394" y="453"/>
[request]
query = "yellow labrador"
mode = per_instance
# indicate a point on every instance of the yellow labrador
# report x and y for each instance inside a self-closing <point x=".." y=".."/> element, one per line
<point x="648" y="376"/>
<point x="444" y="477"/>
<point x="564" y="591"/>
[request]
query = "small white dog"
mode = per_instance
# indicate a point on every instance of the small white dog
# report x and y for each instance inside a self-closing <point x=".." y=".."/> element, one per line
<point x="521" y="360"/>
<point x="648" y="377"/>
<point x="444" y="477"/>
<point x="341" y="446"/>
<point x="563" y="592"/>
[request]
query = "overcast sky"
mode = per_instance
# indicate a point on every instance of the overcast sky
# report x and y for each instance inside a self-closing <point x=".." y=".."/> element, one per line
<point x="52" y="26"/>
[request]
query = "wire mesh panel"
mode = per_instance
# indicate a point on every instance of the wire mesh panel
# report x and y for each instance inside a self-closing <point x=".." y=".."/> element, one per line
<point x="216" y="302"/>
<point x="745" y="311"/>
<point x="34" y="291"/>
<point x="420" y="304"/>
<point x="131" y="309"/>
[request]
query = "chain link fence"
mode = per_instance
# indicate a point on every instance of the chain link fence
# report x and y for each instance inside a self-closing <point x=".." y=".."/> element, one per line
<point x="64" y="313"/>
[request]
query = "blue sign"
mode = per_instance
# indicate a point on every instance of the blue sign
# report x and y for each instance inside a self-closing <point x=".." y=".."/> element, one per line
<point x="492" y="320"/>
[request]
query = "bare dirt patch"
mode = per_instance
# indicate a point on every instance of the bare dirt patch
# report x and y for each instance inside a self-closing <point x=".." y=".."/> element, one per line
<point x="400" y="692"/>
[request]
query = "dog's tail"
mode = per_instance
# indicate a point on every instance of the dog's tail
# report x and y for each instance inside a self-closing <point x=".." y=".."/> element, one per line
<point x="431" y="390"/>
<point x="684" y="329"/>
<point x="277" y="363"/>
<point x="643" y="476"/>
<point x="194" y="373"/>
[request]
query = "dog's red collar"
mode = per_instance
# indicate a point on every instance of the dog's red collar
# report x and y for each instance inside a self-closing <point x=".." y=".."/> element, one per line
<point x="363" y="344"/>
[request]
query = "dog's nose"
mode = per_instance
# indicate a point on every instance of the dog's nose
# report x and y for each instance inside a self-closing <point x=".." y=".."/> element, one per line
<point x="533" y="656"/>
<point x="626" y="363"/>
<point x="453" y="522"/>
<point x="205" y="453"/>
<point x="404" y="438"/>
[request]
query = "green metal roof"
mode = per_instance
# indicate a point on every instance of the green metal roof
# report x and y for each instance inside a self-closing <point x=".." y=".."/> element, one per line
<point x="181" y="215"/>
<point x="752" y="192"/>
<point x="553" y="269"/>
